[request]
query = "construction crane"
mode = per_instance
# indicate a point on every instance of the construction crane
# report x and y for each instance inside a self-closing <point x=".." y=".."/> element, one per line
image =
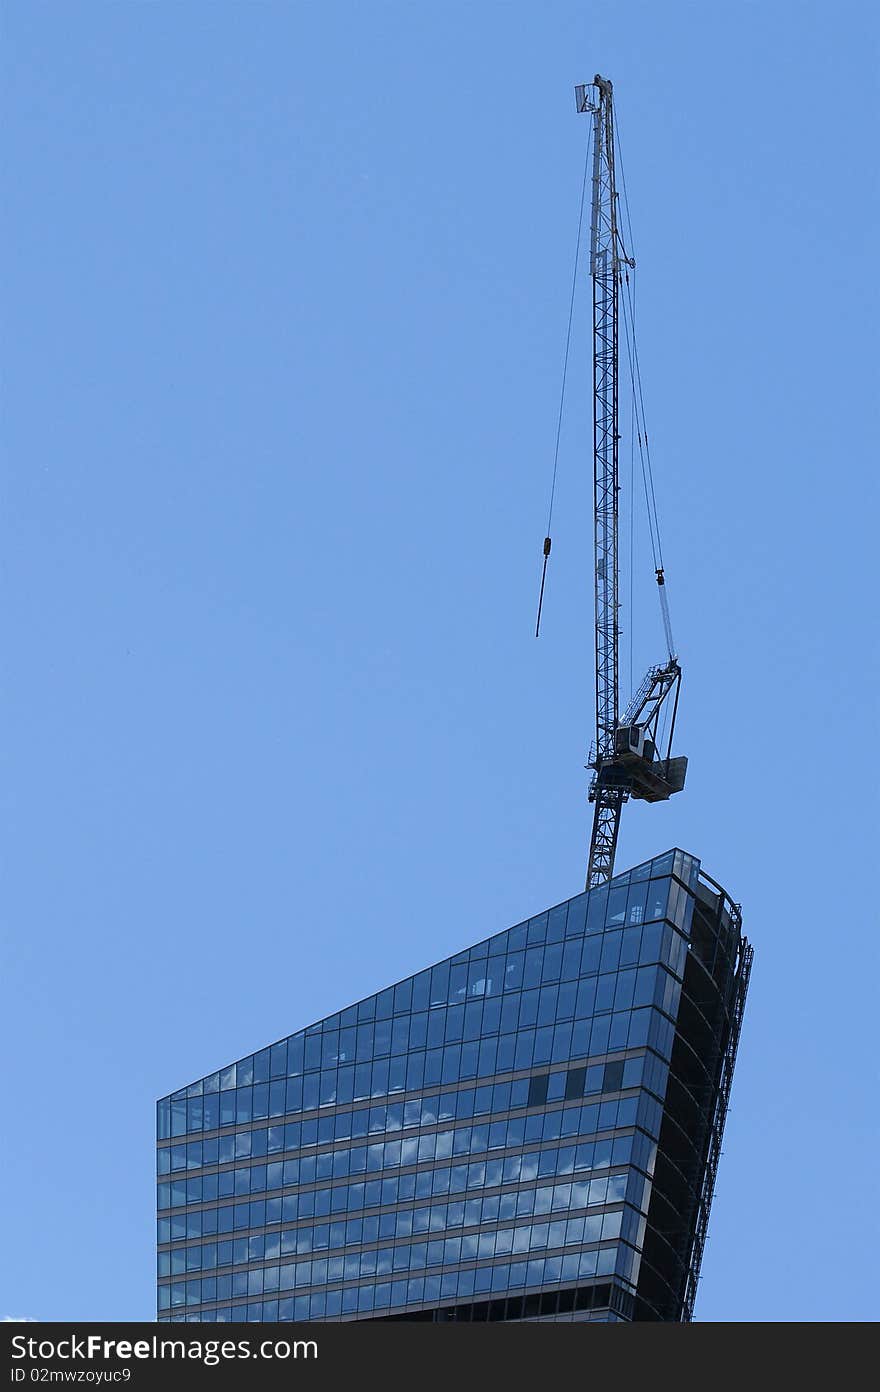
<point x="626" y="756"/>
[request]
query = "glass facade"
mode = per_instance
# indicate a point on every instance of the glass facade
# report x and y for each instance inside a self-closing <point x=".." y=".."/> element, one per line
<point x="527" y="1130"/>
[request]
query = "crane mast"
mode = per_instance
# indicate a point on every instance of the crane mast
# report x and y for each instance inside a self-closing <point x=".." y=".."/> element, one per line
<point x="624" y="756"/>
<point x="604" y="254"/>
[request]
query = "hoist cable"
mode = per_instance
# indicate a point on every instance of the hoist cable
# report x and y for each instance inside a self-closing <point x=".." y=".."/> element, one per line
<point x="619" y="152"/>
<point x="638" y="401"/>
<point x="632" y="518"/>
<point x="629" y="294"/>
<point x="638" y="384"/>
<point x="644" y="457"/>
<point x="647" y="473"/>
<point x="577" y="253"/>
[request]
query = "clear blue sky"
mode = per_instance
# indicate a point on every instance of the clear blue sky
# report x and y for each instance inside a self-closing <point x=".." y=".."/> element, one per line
<point x="285" y="290"/>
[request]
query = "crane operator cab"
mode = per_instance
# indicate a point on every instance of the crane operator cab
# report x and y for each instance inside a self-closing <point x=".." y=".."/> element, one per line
<point x="633" y="739"/>
<point x="649" y="778"/>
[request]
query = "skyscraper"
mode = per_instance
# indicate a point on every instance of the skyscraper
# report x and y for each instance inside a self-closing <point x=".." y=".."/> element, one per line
<point x="527" y="1130"/>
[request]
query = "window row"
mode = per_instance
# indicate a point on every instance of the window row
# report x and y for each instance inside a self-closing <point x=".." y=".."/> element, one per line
<point x="599" y="1301"/>
<point x="428" y="1290"/>
<point x="505" y="963"/>
<point x="435" y="1218"/>
<point x="530" y="1048"/>
<point x="384" y="1261"/>
<point x="621" y="1261"/>
<point x="358" y="1198"/>
<point x="581" y="996"/>
<point x="418" y="1112"/>
<point x="586" y="1157"/>
<point x="431" y="1147"/>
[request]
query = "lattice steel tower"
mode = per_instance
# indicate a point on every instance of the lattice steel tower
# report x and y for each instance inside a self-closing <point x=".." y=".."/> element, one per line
<point x="625" y="756"/>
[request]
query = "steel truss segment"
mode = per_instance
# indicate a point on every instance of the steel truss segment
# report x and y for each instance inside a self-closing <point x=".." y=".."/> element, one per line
<point x="720" y="1105"/>
<point x="645" y="706"/>
<point x="604" y="271"/>
<point x="603" y="844"/>
<point x="615" y="780"/>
